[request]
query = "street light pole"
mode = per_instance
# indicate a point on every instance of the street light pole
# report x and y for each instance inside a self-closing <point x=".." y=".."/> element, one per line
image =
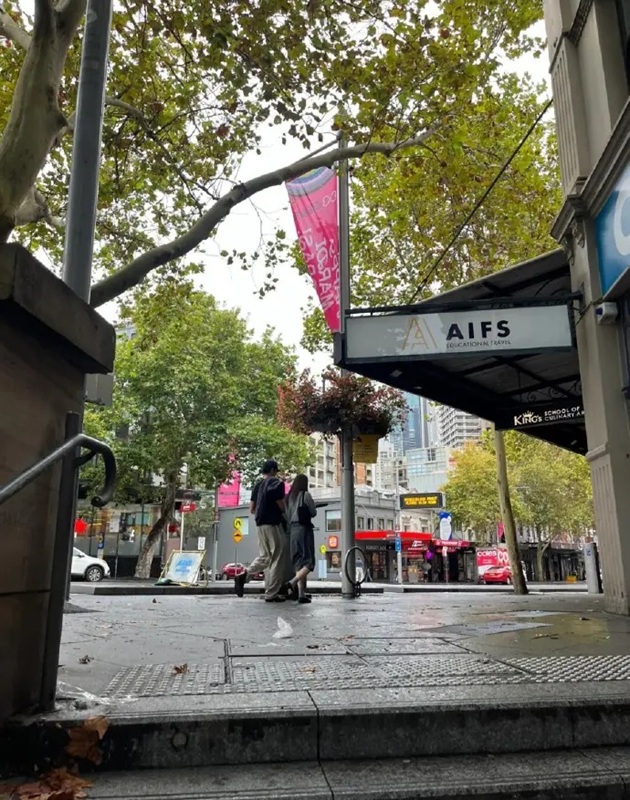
<point x="399" y="561"/>
<point x="86" y="149"/>
<point x="347" y="466"/>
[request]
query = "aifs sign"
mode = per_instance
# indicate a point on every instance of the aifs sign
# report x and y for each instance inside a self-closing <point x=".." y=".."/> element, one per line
<point x="505" y="330"/>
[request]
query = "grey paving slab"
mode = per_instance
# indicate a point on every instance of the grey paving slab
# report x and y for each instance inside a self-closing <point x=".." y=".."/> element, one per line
<point x="302" y="781"/>
<point x="534" y="776"/>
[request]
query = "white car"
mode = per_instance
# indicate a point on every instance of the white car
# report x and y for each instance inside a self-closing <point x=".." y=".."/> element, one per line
<point x="87" y="567"/>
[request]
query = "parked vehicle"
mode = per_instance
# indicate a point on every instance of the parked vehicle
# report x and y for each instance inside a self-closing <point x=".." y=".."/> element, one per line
<point x="497" y="575"/>
<point x="88" y="568"/>
<point x="230" y="571"/>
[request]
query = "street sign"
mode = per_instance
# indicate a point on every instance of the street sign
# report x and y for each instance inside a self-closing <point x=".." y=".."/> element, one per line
<point x="238" y="524"/>
<point x="188" y="507"/>
<point x="237" y="535"/>
<point x="322" y="549"/>
<point x="422" y="500"/>
<point x="201" y="543"/>
<point x="612" y="233"/>
<point x="398" y="544"/>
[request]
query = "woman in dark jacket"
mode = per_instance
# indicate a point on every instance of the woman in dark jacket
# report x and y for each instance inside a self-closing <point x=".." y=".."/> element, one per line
<point x="300" y="512"/>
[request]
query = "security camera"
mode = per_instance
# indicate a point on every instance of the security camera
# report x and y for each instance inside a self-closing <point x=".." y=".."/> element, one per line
<point x="607" y="313"/>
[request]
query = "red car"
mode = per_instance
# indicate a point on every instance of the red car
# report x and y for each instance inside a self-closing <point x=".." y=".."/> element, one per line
<point x="230" y="571"/>
<point x="497" y="575"/>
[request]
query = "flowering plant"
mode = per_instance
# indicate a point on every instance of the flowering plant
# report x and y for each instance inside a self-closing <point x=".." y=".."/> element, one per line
<point x="344" y="400"/>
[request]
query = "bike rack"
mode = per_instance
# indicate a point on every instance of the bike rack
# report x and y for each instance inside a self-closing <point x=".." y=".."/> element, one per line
<point x="353" y="580"/>
<point x="69" y="453"/>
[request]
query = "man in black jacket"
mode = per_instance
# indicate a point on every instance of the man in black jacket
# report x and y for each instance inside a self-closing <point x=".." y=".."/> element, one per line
<point x="268" y="506"/>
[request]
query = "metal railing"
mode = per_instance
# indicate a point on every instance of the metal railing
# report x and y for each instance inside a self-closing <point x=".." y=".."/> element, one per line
<point x="94" y="447"/>
<point x="71" y="459"/>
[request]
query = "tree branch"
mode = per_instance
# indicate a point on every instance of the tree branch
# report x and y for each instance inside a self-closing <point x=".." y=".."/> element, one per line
<point x="135" y="272"/>
<point x="69" y="15"/>
<point x="35" y="208"/>
<point x="12" y="31"/>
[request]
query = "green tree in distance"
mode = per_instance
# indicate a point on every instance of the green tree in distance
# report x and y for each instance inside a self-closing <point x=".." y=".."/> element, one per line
<point x="191" y="87"/>
<point x="551" y="490"/>
<point x="193" y="393"/>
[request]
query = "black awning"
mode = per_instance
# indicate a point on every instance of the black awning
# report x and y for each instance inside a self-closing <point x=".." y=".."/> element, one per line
<point x="535" y="389"/>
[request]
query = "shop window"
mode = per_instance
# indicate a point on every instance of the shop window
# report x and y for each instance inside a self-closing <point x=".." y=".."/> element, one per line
<point x="333" y="521"/>
<point x="370" y="523"/>
<point x="360" y="523"/>
<point x="390" y="524"/>
<point x="381" y="523"/>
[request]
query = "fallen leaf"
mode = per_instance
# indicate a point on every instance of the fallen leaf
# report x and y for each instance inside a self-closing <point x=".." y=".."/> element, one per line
<point x="308" y="669"/>
<point x="84" y="739"/>
<point x="312" y="646"/>
<point x="60" y="784"/>
<point x="97" y="724"/>
<point x="584" y="619"/>
<point x="154" y="600"/>
<point x="85" y="660"/>
<point x="181" y="670"/>
<point x="546" y="636"/>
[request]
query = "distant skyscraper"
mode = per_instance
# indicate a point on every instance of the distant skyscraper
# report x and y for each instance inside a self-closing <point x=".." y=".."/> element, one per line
<point x="456" y="427"/>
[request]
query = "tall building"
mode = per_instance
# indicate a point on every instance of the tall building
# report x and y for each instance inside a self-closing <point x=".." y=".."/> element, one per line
<point x="415" y="430"/>
<point x="456" y="427"/>
<point x="427" y="468"/>
<point x="324" y="474"/>
<point x="391" y="465"/>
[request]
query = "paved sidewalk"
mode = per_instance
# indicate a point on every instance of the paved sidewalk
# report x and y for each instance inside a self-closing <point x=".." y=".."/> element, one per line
<point x="129" y="648"/>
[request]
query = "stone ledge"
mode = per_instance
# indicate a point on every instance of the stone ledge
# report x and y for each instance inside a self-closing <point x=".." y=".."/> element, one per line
<point x="43" y="306"/>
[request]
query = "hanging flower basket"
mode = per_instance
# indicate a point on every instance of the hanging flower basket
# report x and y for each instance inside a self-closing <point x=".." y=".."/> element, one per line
<point x="341" y="400"/>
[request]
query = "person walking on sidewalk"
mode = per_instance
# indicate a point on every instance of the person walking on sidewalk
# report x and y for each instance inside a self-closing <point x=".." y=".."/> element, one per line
<point x="268" y="507"/>
<point x="300" y="512"/>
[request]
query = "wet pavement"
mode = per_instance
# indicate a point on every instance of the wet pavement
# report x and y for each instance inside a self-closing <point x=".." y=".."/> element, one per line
<point x="121" y="648"/>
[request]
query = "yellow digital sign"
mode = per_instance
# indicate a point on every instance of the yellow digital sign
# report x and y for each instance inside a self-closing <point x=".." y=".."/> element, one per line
<point x="422" y="500"/>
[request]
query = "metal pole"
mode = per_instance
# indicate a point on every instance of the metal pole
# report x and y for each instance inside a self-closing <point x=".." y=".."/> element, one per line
<point x="181" y="530"/>
<point x="397" y="525"/>
<point x="86" y="149"/>
<point x="347" y="466"/>
<point x="215" y="535"/>
<point x="60" y="577"/>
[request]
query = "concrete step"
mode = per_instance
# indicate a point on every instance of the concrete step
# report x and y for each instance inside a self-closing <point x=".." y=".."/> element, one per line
<point x="602" y="774"/>
<point x="337" y="725"/>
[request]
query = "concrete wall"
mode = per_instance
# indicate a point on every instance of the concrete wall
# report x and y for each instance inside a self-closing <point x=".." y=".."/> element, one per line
<point x="590" y="91"/>
<point x="49" y="340"/>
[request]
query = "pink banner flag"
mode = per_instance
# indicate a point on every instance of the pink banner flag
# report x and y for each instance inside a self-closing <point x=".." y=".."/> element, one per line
<point x="230" y="492"/>
<point x="313" y="199"/>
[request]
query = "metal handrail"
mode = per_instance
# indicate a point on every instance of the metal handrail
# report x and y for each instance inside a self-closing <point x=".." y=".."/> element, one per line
<point x="80" y="440"/>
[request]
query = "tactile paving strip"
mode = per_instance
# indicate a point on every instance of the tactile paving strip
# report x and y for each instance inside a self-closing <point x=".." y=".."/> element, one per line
<point x="573" y="669"/>
<point x="291" y="673"/>
<point x="446" y="666"/>
<point x="159" y="680"/>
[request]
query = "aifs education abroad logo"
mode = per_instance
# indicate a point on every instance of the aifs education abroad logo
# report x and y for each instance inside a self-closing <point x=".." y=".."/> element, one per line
<point x="423" y="335"/>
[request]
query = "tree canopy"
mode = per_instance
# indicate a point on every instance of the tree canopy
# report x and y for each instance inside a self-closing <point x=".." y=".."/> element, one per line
<point x="191" y="87"/>
<point x="195" y="396"/>
<point x="550" y="488"/>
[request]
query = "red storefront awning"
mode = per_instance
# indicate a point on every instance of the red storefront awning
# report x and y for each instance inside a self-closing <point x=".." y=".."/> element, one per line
<point x="413" y="542"/>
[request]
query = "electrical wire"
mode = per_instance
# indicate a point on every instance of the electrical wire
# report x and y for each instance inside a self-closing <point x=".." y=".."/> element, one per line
<point x="478" y="204"/>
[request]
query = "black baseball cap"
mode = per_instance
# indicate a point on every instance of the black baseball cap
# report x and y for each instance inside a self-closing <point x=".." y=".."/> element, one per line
<point x="270" y="465"/>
